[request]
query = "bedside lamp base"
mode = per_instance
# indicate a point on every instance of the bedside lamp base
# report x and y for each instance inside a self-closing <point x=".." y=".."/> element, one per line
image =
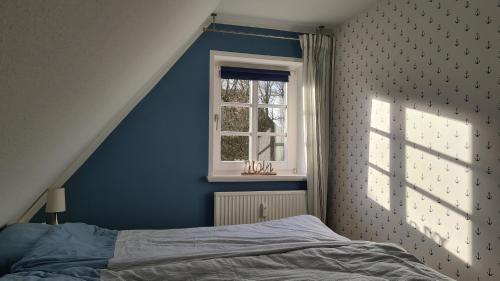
<point x="54" y="220"/>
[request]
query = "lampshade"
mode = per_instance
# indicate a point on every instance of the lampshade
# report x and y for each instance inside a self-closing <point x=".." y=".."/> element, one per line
<point x="56" y="201"/>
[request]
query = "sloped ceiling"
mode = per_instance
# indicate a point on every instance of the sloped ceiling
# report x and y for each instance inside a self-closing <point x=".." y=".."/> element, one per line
<point x="295" y="15"/>
<point x="71" y="70"/>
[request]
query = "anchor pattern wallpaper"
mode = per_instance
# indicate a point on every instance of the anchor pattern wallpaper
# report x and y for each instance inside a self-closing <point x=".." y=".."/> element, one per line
<point x="416" y="132"/>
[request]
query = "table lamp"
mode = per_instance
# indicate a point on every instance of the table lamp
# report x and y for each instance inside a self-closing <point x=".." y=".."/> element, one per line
<point x="56" y="203"/>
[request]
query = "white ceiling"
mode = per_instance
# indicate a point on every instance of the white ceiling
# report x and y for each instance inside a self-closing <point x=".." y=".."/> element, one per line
<point x="295" y="15"/>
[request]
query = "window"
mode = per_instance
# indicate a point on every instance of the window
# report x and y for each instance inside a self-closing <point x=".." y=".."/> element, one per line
<point x="253" y="115"/>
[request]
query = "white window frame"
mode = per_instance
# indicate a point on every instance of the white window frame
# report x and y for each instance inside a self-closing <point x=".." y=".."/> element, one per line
<point x="293" y="168"/>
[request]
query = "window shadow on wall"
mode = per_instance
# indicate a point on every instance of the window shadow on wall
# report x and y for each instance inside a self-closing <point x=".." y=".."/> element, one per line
<point x="419" y="170"/>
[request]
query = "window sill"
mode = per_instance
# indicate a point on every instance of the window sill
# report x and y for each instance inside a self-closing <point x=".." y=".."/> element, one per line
<point x="240" y="178"/>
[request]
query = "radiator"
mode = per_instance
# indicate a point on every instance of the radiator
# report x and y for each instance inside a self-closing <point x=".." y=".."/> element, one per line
<point x="257" y="206"/>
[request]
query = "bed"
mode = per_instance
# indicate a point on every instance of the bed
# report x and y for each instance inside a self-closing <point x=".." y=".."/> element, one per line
<point x="296" y="248"/>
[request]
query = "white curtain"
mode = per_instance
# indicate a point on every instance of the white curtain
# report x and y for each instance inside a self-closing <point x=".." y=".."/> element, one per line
<point x="317" y="82"/>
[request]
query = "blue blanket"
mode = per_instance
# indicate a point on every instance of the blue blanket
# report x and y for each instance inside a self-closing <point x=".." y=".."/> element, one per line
<point x="72" y="251"/>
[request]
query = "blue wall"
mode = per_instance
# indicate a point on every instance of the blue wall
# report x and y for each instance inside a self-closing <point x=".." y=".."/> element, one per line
<point x="150" y="172"/>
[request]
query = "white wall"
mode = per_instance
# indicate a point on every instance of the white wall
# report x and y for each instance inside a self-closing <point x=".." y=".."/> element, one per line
<point x="69" y="71"/>
<point x="417" y="135"/>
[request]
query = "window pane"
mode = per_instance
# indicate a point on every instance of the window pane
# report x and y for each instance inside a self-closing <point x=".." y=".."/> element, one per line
<point x="272" y="92"/>
<point x="236" y="119"/>
<point x="234" y="148"/>
<point x="272" y="120"/>
<point x="234" y="90"/>
<point x="271" y="148"/>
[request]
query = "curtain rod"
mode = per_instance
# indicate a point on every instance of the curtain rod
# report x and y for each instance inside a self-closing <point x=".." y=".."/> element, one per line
<point x="206" y="29"/>
<point x="213" y="15"/>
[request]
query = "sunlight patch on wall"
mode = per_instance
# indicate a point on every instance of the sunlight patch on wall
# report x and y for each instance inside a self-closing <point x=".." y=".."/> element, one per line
<point x="379" y="188"/>
<point x="381" y="116"/>
<point x="439" y="181"/>
<point x="445" y="180"/>
<point x="379" y="151"/>
<point x="444" y="135"/>
<point x="444" y="225"/>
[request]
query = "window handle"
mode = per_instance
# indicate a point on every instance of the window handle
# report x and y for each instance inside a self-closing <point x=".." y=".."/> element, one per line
<point x="216" y="120"/>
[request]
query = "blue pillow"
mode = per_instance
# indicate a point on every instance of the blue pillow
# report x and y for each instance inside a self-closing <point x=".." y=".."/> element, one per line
<point x="16" y="240"/>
